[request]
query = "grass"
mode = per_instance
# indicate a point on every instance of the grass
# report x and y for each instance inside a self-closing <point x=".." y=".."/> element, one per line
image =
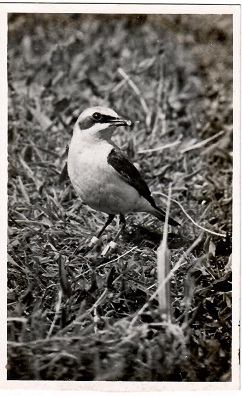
<point x="81" y="317"/>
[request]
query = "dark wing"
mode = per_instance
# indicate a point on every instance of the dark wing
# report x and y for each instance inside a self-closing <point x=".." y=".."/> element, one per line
<point x="129" y="173"/>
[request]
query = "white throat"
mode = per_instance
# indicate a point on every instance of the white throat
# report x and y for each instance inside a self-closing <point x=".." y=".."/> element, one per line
<point x="96" y="133"/>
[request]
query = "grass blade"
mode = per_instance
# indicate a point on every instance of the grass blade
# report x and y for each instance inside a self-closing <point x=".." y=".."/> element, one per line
<point x="163" y="268"/>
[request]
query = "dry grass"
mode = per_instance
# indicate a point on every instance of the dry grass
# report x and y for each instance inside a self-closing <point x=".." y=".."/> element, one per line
<point x="80" y="317"/>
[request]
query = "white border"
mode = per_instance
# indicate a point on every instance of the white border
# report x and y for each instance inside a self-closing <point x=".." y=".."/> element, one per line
<point x="120" y="8"/>
<point x="108" y="7"/>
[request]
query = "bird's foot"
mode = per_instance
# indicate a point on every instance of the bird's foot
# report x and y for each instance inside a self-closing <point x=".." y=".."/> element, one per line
<point x="90" y="245"/>
<point x="94" y="241"/>
<point x="109" y="249"/>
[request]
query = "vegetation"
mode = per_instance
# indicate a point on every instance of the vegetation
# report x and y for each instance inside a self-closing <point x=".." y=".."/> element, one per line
<point x="76" y="316"/>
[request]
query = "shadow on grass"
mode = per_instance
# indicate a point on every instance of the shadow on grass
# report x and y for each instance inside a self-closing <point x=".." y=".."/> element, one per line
<point x="142" y="236"/>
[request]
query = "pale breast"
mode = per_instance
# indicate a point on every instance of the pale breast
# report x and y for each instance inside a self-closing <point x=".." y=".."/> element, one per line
<point x="98" y="183"/>
<point x="84" y="169"/>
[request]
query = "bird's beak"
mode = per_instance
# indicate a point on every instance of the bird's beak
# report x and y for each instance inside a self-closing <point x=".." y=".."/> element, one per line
<point x="120" y="122"/>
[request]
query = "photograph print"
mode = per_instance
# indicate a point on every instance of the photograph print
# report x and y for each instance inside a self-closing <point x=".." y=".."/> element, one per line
<point x="120" y="167"/>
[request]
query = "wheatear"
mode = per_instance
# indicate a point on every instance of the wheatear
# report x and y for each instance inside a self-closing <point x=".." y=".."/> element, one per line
<point x="101" y="174"/>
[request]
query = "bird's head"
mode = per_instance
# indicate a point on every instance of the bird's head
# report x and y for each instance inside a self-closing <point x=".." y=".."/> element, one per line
<point x="99" y="122"/>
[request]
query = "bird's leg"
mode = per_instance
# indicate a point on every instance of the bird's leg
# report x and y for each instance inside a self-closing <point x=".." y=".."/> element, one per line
<point x="112" y="245"/>
<point x="109" y="220"/>
<point x="94" y="239"/>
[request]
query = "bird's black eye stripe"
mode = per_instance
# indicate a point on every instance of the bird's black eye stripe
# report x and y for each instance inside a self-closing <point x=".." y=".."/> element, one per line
<point x="107" y="118"/>
<point x="97" y="116"/>
<point x="103" y="118"/>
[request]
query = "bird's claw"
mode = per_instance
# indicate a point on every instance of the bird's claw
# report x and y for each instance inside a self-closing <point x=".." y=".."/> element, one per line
<point x="109" y="249"/>
<point x="95" y="242"/>
<point x="91" y="244"/>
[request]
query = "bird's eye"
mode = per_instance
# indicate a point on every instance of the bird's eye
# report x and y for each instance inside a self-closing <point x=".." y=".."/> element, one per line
<point x="96" y="116"/>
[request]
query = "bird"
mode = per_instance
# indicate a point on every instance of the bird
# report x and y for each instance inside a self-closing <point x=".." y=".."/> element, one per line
<point x="102" y="174"/>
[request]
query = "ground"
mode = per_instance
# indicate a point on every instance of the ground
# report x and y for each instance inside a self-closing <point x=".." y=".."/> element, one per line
<point x="76" y="316"/>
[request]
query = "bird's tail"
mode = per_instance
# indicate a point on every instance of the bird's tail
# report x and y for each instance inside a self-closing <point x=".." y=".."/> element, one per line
<point x="161" y="215"/>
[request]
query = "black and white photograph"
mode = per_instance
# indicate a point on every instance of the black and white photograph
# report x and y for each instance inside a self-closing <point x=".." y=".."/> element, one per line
<point x="121" y="143"/>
